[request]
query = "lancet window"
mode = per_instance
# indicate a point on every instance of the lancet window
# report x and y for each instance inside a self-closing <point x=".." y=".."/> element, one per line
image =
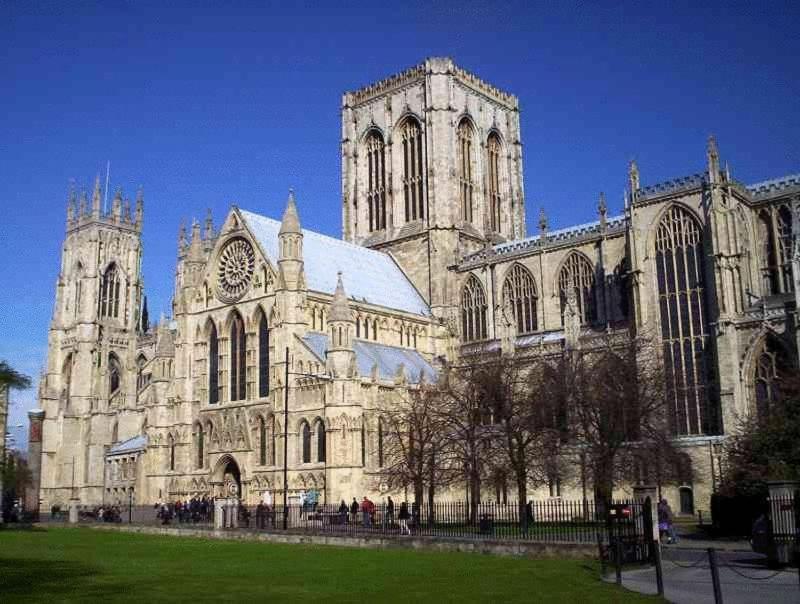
<point x="684" y="331"/>
<point x="376" y="182"/>
<point x="771" y="363"/>
<point x="305" y="434"/>
<point x="519" y="295"/>
<point x="263" y="357"/>
<point x="413" y="179"/>
<point x="576" y="280"/>
<point x="320" y="442"/>
<point x="200" y="435"/>
<point x="110" y="292"/>
<point x="238" y="369"/>
<point x="473" y="311"/>
<point x="493" y="153"/>
<point x="466" y="183"/>
<point x="213" y="365"/>
<point x="114" y="374"/>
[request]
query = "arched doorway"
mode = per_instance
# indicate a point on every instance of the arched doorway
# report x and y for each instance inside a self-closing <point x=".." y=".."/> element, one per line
<point x="227" y="478"/>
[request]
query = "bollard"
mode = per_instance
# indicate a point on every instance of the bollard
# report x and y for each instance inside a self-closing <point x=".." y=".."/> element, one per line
<point x="659" y="570"/>
<point x="712" y="562"/>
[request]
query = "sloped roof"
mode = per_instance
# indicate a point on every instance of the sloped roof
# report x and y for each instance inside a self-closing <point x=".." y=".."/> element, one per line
<point x="387" y="358"/>
<point x="369" y="275"/>
<point x="137" y="443"/>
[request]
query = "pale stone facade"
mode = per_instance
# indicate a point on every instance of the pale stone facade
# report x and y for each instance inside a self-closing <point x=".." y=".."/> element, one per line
<point x="432" y="185"/>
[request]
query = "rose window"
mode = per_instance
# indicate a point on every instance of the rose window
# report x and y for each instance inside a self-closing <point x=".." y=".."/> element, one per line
<point x="235" y="269"/>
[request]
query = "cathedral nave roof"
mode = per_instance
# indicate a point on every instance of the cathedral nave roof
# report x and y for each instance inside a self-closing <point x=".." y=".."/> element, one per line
<point x="372" y="276"/>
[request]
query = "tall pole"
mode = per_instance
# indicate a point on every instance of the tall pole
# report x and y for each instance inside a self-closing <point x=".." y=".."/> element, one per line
<point x="286" y="441"/>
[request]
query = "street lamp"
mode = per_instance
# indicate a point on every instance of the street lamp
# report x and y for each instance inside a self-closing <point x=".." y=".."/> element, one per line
<point x="286" y="433"/>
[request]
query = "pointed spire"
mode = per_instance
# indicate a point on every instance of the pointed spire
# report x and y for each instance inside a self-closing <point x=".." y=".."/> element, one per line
<point x="71" y="202"/>
<point x="196" y="244"/>
<point x="181" y="237"/>
<point x="209" y="233"/>
<point x="340" y="306"/>
<point x="542" y="221"/>
<point x="144" y="322"/>
<point x="83" y="204"/>
<point x="116" y="205"/>
<point x="126" y="210"/>
<point x="712" y="155"/>
<point x="96" y="195"/>
<point x="602" y="210"/>
<point x="290" y="223"/>
<point x="633" y="177"/>
<point x="139" y="206"/>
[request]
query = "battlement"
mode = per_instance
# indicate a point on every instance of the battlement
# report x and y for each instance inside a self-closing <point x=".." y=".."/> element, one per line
<point x="80" y="212"/>
<point x="669" y="187"/>
<point x="438" y="65"/>
<point x="776" y="186"/>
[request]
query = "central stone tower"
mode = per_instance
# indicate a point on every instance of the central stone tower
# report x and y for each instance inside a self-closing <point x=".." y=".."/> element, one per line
<point x="431" y="170"/>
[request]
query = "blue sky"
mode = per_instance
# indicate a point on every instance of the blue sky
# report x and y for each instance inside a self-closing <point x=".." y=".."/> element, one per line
<point x="206" y="104"/>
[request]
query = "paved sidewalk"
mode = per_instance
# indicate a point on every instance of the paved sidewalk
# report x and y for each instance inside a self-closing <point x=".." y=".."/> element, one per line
<point x="744" y="578"/>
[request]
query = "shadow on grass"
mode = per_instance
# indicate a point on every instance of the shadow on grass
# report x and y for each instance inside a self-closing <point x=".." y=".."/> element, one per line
<point x="26" y="579"/>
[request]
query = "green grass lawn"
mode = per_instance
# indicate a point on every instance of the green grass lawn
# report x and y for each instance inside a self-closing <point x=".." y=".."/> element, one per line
<point x="85" y="565"/>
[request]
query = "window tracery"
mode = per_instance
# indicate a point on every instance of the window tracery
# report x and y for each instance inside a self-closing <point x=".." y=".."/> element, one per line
<point x="493" y="153"/>
<point x="263" y="357"/>
<point x="320" y="442"/>
<point x="238" y="347"/>
<point x="413" y="179"/>
<point x="213" y="365"/>
<point x="519" y="295"/>
<point x="465" y="176"/>
<point x="114" y="374"/>
<point x="577" y="277"/>
<point x="770" y="364"/>
<point x="376" y="182"/>
<point x="473" y="311"/>
<point x="682" y="305"/>
<point x="305" y="433"/>
<point x="110" y="293"/>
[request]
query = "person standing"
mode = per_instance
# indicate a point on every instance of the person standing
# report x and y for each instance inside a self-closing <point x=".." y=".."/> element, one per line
<point x="403" y="518"/>
<point x="354" y="511"/>
<point x="389" y="511"/>
<point x="343" y="513"/>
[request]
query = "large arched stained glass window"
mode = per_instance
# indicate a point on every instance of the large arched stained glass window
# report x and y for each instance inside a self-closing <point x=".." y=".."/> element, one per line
<point x="577" y="277"/>
<point x="775" y="235"/>
<point x="263" y="357"/>
<point x="519" y="296"/>
<point x="376" y="182"/>
<point x="473" y="311"/>
<point x="413" y="176"/>
<point x="493" y="154"/>
<point x="238" y="346"/>
<point x="684" y="331"/>
<point x="466" y="183"/>
<point x="213" y="365"/>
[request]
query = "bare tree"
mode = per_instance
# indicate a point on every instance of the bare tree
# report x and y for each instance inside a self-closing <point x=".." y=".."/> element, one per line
<point x="413" y="442"/>
<point x="617" y="409"/>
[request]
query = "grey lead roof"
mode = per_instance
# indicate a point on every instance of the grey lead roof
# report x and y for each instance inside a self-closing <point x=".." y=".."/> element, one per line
<point x="137" y="443"/>
<point x="369" y="275"/>
<point x="387" y="359"/>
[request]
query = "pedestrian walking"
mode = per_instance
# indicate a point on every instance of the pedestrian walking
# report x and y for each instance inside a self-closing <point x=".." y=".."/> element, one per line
<point x="354" y="511"/>
<point x="666" y="522"/>
<point x="389" y="511"/>
<point x="403" y="517"/>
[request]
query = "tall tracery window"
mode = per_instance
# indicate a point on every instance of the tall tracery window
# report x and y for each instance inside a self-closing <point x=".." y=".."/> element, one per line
<point x="262" y="441"/>
<point x="473" y="310"/>
<point x="200" y="460"/>
<point x="78" y="290"/>
<point x="110" y="292"/>
<point x="519" y="295"/>
<point x="577" y="277"/>
<point x="380" y="443"/>
<point x="493" y="153"/>
<point x="363" y="443"/>
<point x="770" y="364"/>
<point x="238" y="347"/>
<point x="114" y="374"/>
<point x="775" y="234"/>
<point x="213" y="365"/>
<point x="320" y="441"/>
<point x="466" y="184"/>
<point x="411" y="135"/>
<point x="305" y="433"/>
<point x="263" y="357"/>
<point x="271" y="427"/>
<point x="376" y="183"/>
<point x="684" y="331"/>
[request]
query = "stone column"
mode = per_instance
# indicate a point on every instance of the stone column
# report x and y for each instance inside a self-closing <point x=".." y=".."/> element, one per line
<point x="36" y="419"/>
<point x="219" y="513"/>
<point x="641" y="493"/>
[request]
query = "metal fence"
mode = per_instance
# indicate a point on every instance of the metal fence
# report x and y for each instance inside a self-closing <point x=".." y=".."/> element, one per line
<point x="558" y="521"/>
